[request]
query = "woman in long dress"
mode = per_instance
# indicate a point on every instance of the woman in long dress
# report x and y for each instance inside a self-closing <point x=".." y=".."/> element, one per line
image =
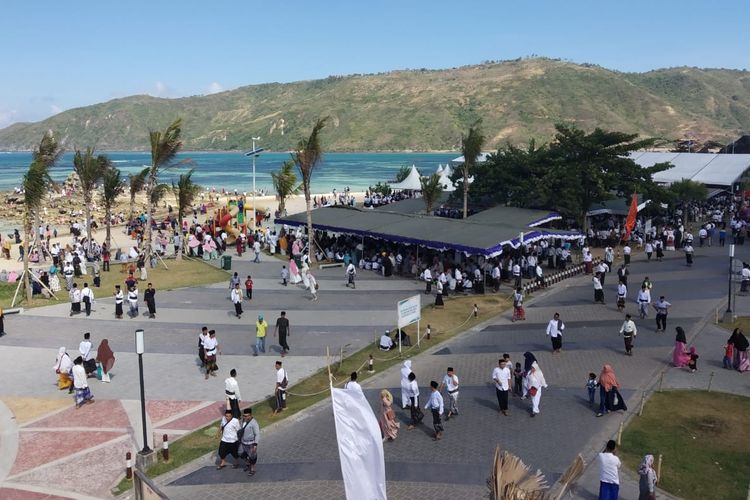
<point x="294" y="276"/>
<point x="388" y="424"/>
<point x="680" y="354"/>
<point x="535" y="382"/>
<point x="63" y="365"/>
<point x="405" y="371"/>
<point x="106" y="357"/>
<point x="609" y="391"/>
<point x="647" y="479"/>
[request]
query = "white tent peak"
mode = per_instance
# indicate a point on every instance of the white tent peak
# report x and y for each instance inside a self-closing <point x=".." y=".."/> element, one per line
<point x="412" y="181"/>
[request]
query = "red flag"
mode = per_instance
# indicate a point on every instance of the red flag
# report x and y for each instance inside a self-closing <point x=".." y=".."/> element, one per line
<point x="632" y="214"/>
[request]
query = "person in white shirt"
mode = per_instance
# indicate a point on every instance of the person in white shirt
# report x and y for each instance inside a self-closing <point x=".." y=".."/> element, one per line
<point x="86" y="348"/>
<point x="211" y="348"/>
<point x="689" y="254"/>
<point x="450" y="383"/>
<point x="405" y="371"/>
<point x="133" y="301"/>
<point x="555" y="329"/>
<point x="649" y="250"/>
<point x="435" y="405"/>
<point x="351" y="272"/>
<point x="427" y="277"/>
<point x="622" y="292"/>
<point x="313" y="286"/>
<point x="229" y="442"/>
<point x="386" y="342"/>
<point x="535" y="382"/>
<point x="87" y="296"/>
<point x="644" y="299"/>
<point x="496" y="277"/>
<point x="516" y="270"/>
<point x="598" y="290"/>
<point x="236" y="296"/>
<point x="609" y="472"/>
<point x="626" y="253"/>
<point x="412" y="392"/>
<point x="256" y="250"/>
<point x="119" y="299"/>
<point x="232" y="393"/>
<point x="501" y="377"/>
<point x="75" y="300"/>
<point x="745" y="285"/>
<point x="280" y="390"/>
<point x="352" y="384"/>
<point x="628" y="331"/>
<point x="602" y="269"/>
<point x="80" y="384"/>
<point x="662" y="309"/>
<point x="250" y="437"/>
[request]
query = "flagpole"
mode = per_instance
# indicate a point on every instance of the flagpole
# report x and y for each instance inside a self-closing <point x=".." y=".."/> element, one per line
<point x="328" y="365"/>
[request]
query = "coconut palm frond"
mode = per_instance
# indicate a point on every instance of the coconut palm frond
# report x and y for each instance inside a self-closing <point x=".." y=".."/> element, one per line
<point x="431" y="191"/>
<point x="158" y="193"/>
<point x="511" y="479"/>
<point x="36" y="181"/>
<point x="165" y="145"/>
<point x="89" y="168"/>
<point x="471" y="147"/>
<point x="112" y="186"/>
<point x="571" y="475"/>
<point x="309" y="152"/>
<point x="49" y="151"/>
<point x="185" y="191"/>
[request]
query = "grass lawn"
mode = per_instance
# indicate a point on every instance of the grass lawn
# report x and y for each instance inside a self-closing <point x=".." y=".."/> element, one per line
<point x="742" y="322"/>
<point x="447" y="322"/>
<point x="703" y="437"/>
<point x="182" y="273"/>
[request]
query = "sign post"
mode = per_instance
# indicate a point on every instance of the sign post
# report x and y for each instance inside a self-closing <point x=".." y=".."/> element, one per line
<point x="409" y="311"/>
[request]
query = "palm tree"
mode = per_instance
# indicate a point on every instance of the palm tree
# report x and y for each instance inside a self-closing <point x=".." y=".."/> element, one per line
<point x="112" y="187"/>
<point x="36" y="182"/>
<point x="137" y="183"/>
<point x="431" y="191"/>
<point x="306" y="157"/>
<point x="471" y="147"/>
<point x="90" y="170"/>
<point x="164" y="147"/>
<point x="285" y="184"/>
<point x="185" y="191"/>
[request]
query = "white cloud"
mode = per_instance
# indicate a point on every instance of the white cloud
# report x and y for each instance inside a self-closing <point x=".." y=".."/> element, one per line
<point x="55" y="109"/>
<point x="161" y="89"/>
<point x="214" y="88"/>
<point x="8" y="117"/>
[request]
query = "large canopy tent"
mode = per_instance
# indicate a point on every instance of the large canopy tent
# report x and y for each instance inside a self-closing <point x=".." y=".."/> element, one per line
<point x="486" y="235"/>
<point x="412" y="181"/>
<point x="713" y="170"/>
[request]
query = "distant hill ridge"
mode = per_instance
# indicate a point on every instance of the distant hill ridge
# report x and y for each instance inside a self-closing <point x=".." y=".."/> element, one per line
<point x="421" y="110"/>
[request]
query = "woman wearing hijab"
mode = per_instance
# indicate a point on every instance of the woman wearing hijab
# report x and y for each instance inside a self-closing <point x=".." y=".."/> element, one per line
<point x="647" y="479"/>
<point x="106" y="357"/>
<point x="405" y="371"/>
<point x="534" y="384"/>
<point x="528" y="360"/>
<point x="740" y="343"/>
<point x="680" y="354"/>
<point x="609" y="394"/>
<point x="388" y="424"/>
<point x="63" y="365"/>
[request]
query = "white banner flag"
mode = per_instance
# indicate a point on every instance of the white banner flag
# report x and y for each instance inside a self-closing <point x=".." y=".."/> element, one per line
<point x="360" y="446"/>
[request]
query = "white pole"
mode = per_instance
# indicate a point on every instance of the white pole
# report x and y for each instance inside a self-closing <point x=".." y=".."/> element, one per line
<point x="398" y="332"/>
<point x="417" y="333"/>
<point x="254" y="155"/>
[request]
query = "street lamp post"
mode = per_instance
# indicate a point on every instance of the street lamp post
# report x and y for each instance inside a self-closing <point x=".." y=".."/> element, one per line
<point x="728" y="312"/>
<point x="255" y="152"/>
<point x="140" y="349"/>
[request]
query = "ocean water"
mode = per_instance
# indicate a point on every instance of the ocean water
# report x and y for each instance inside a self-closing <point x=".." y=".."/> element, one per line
<point x="234" y="170"/>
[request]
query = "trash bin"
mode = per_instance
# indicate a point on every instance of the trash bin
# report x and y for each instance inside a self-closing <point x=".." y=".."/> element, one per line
<point x="226" y="262"/>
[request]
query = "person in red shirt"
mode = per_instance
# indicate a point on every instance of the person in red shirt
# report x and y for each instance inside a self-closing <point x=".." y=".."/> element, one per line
<point x="249" y="288"/>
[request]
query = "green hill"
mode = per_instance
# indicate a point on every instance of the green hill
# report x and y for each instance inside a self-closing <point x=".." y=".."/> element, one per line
<point x="421" y="109"/>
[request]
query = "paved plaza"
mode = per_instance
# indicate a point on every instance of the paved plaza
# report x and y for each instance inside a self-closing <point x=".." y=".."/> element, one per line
<point x="49" y="448"/>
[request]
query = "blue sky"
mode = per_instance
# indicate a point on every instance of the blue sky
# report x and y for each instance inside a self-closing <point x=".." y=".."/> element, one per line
<point x="60" y="55"/>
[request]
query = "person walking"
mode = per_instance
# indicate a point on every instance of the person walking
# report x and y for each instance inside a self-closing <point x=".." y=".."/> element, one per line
<point x="662" y="308"/>
<point x="644" y="299"/>
<point x="149" y="296"/>
<point x="609" y="394"/>
<point x="405" y="371"/>
<point x="626" y="253"/>
<point x="598" y="290"/>
<point x="75" y="300"/>
<point x="228" y="445"/>
<point x="106" y="358"/>
<point x="256" y="250"/>
<point x="518" y="312"/>
<point x="649" y="251"/>
<point x="435" y="405"/>
<point x="689" y="254"/>
<point x="280" y="389"/>
<point x="236" y="296"/>
<point x="450" y="383"/>
<point x="87" y="297"/>
<point x="555" y="329"/>
<point x="622" y="293"/>
<point x="647" y="479"/>
<point x="351" y="273"/>
<point x="233" y="282"/>
<point x="623" y="273"/>
<point x="261" y="326"/>
<point x="427" y="276"/>
<point x="501" y="376"/>
<point x="133" y="301"/>
<point x="609" y="472"/>
<point x="249" y="287"/>
<point x="313" y="286"/>
<point x="535" y="382"/>
<point x="211" y="348"/>
<point x="80" y="384"/>
<point x="389" y="424"/>
<point x="86" y="348"/>
<point x="202" y="337"/>
<point x="283" y="330"/>
<point x="119" y="299"/>
<point x="628" y="331"/>
<point x="249" y="435"/>
<point x="232" y="393"/>
<point x="413" y="393"/>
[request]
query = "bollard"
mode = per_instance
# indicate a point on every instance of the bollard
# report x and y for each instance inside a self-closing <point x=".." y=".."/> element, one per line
<point x="619" y="434"/>
<point x="371" y="361"/>
<point x="658" y="467"/>
<point x="128" y="466"/>
<point x="165" y="447"/>
<point x="661" y="379"/>
<point x="710" y="380"/>
<point x="643" y="402"/>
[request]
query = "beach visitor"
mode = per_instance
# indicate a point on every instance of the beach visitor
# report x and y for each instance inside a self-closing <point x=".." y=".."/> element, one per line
<point x="609" y="394"/>
<point x="535" y="382"/>
<point x="283" y="330"/>
<point x="389" y="425"/>
<point x="555" y="329"/>
<point x="628" y="331"/>
<point x="232" y="393"/>
<point x="647" y="479"/>
<point x="63" y="366"/>
<point x="80" y="384"/>
<point x="435" y="405"/>
<point x="249" y="435"/>
<point x="249" y="287"/>
<point x="229" y="442"/>
<point x="501" y="377"/>
<point x="609" y="472"/>
<point x="261" y="326"/>
<point x="106" y="358"/>
<point x="211" y="347"/>
<point x="413" y="394"/>
<point x="149" y="296"/>
<point x="450" y="383"/>
<point x="405" y="371"/>
<point x="280" y="389"/>
<point x="133" y="301"/>
<point x="680" y="353"/>
<point x="236" y="296"/>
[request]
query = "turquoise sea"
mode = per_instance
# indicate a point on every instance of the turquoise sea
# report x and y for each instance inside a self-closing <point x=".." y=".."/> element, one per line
<point x="233" y="170"/>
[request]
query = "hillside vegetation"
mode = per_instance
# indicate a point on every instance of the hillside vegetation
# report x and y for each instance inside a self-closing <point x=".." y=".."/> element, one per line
<point x="421" y="109"/>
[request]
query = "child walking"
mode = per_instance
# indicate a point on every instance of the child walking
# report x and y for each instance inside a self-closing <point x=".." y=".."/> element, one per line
<point x="591" y="385"/>
<point x="518" y="380"/>
<point x="728" y="355"/>
<point x="284" y="275"/>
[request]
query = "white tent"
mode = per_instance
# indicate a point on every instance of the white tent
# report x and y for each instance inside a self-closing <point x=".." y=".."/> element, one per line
<point x="719" y="170"/>
<point x="412" y="181"/>
<point x="439" y="170"/>
<point x="457" y="162"/>
<point x="447" y="184"/>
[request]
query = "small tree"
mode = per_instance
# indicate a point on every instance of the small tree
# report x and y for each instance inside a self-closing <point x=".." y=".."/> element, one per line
<point x="402" y="173"/>
<point x="185" y="191"/>
<point x="685" y="191"/>
<point x="471" y="147"/>
<point x="137" y="182"/>
<point x="285" y="183"/>
<point x="112" y="187"/>
<point x="306" y="157"/>
<point x="90" y="170"/>
<point x="431" y="191"/>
